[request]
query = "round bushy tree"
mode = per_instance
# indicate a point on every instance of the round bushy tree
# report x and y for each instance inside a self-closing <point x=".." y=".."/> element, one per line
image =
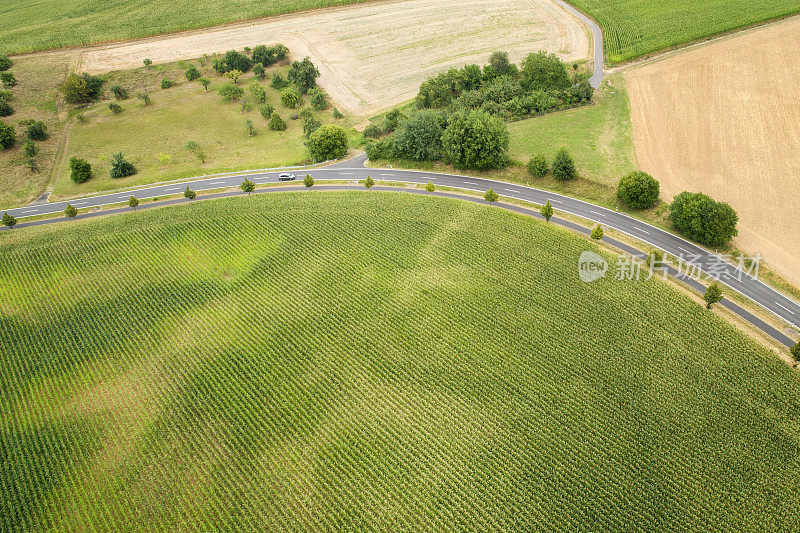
<point x="120" y="167"/>
<point x="231" y="91"/>
<point x="37" y="131"/>
<point x="702" y="219"/>
<point x="597" y="233"/>
<point x="276" y="123"/>
<point x="291" y="99"/>
<point x="76" y="90"/>
<point x="537" y="166"/>
<point x="192" y="73"/>
<point x="266" y="110"/>
<point x="303" y="74"/>
<point x="237" y="61"/>
<point x="475" y="140"/>
<point x="7" y="135"/>
<point x="420" y="137"/>
<point x="5" y="63"/>
<point x="713" y="295"/>
<point x="327" y="143"/>
<point x="5" y="109"/>
<point x="9" y="220"/>
<point x="638" y="190"/>
<point x="80" y="170"/>
<point x="563" y="166"/>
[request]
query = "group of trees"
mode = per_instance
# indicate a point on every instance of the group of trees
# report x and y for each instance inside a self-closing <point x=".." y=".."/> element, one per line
<point x="501" y="88"/>
<point x="82" y="89"/>
<point x="703" y="219"/>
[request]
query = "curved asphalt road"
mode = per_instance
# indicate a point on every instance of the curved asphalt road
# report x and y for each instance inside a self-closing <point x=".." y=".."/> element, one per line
<point x="728" y="274"/>
<point x="597" y="37"/>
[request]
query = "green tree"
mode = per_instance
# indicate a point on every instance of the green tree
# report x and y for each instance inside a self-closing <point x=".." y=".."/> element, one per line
<point x="36" y="130"/>
<point x="713" y="295"/>
<point x="234" y="75"/>
<point x="189" y="194"/>
<point x="266" y="110"/>
<point x="420" y="137"/>
<point x="115" y="108"/>
<point x="308" y="181"/>
<point x="192" y="73"/>
<point x="373" y="131"/>
<point x="303" y="74"/>
<point x="597" y="233"/>
<point x="547" y="211"/>
<point x="318" y="100"/>
<point x="702" y="219"/>
<point x="258" y="71"/>
<point x="278" y="82"/>
<point x="543" y="71"/>
<point x="205" y="82"/>
<point x="166" y="84"/>
<point x="537" y="166"/>
<point x="9" y="220"/>
<point x="70" y="211"/>
<point x="247" y="186"/>
<point x="258" y="92"/>
<point x="120" y="167"/>
<point x="337" y="114"/>
<point x="80" y="170"/>
<point x="563" y="166"/>
<point x="5" y="63"/>
<point x="638" y="190"/>
<point x="310" y="126"/>
<point x="76" y="90"/>
<point x="5" y="109"/>
<point x="276" y="123"/>
<point x="491" y="196"/>
<point x="291" y="99"/>
<point x="795" y="351"/>
<point x="430" y="187"/>
<point x="7" y="135"/>
<point x="237" y="61"/>
<point x="500" y="64"/>
<point x="369" y="182"/>
<point x="118" y="92"/>
<point x="327" y="143"/>
<point x="8" y="79"/>
<point x="475" y="140"/>
<point x="231" y="92"/>
<point x="133" y="202"/>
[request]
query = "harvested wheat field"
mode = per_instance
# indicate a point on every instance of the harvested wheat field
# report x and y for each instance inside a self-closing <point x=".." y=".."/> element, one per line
<point x="373" y="56"/>
<point x="724" y="119"/>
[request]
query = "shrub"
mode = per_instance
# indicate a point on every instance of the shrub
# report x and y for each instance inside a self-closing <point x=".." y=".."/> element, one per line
<point x="278" y="82"/>
<point x="318" y="100"/>
<point x="80" y="170"/>
<point x="147" y="62"/>
<point x="291" y="99"/>
<point x="30" y="149"/>
<point x="337" y="114"/>
<point x="420" y="137"/>
<point x="115" y="108"/>
<point x="36" y="130"/>
<point x="303" y="74"/>
<point x="71" y="211"/>
<point x="81" y="89"/>
<point x="5" y="63"/>
<point x="702" y="219"/>
<point x="392" y="120"/>
<point x="382" y="149"/>
<point x="247" y="186"/>
<point x="205" y="82"/>
<point x="369" y="182"/>
<point x="276" y="123"/>
<point x="638" y="190"/>
<point x="544" y="71"/>
<point x="6" y="95"/>
<point x="475" y="140"/>
<point x="9" y="220"/>
<point x="237" y="61"/>
<point x="258" y="92"/>
<point x="327" y="143"/>
<point x="7" y="135"/>
<point x="491" y="196"/>
<point x="166" y="84"/>
<point x="563" y="166"/>
<point x="121" y="168"/>
<point x="189" y="194"/>
<point x="308" y="181"/>
<point x="266" y="110"/>
<point x="430" y="187"/>
<point x="192" y="73"/>
<point x="547" y="211"/>
<point x="537" y="166"/>
<point x="5" y="109"/>
<point x="231" y="92"/>
<point x="310" y="126"/>
<point x="133" y="202"/>
<point x="713" y="295"/>
<point x="119" y="93"/>
<point x="597" y="233"/>
<point x="259" y="71"/>
<point x="8" y="79"/>
<point x="373" y="131"/>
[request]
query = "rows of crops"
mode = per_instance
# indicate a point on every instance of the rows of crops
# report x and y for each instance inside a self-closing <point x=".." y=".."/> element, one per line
<point x="362" y="360"/>
<point x="635" y="28"/>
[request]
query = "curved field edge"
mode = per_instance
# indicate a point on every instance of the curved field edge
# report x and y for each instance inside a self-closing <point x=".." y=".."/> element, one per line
<point x="363" y="360"/>
<point x="637" y="28"/>
<point x="53" y="24"/>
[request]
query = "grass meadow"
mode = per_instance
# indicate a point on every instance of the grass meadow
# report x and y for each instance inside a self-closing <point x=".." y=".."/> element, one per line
<point x="30" y="26"/>
<point x="371" y="361"/>
<point x="635" y="28"/>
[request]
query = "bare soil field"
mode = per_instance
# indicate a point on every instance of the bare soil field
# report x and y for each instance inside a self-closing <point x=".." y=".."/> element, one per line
<point x="373" y="56"/>
<point x="724" y="119"/>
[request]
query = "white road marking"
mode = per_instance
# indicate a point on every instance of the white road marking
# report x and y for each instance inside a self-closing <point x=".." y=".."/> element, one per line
<point x="596" y="213"/>
<point x="217" y="183"/>
<point x="172" y="190"/>
<point x="684" y="249"/>
<point x="643" y="231"/>
<point x="782" y="307"/>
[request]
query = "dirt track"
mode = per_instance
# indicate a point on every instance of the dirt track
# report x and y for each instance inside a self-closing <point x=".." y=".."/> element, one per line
<point x="724" y="119"/>
<point x="375" y="55"/>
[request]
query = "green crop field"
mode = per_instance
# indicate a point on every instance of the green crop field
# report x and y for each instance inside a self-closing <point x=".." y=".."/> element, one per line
<point x="635" y="28"/>
<point x="362" y="360"/>
<point x="29" y="26"/>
